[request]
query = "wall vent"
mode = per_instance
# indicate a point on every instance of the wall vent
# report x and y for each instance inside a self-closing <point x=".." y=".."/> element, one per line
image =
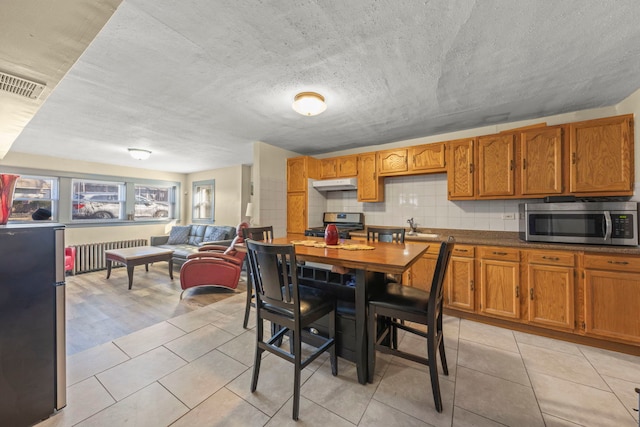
<point x="19" y="86"/>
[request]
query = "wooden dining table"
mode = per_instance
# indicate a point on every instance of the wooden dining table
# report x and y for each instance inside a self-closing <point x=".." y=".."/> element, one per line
<point x="370" y="269"/>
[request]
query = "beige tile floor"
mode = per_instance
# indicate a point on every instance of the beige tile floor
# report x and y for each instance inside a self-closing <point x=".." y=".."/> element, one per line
<point x="195" y="369"/>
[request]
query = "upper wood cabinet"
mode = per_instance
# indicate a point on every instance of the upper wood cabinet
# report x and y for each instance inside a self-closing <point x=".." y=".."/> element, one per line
<point x="339" y="167"/>
<point x="460" y="169"/>
<point x="299" y="169"/>
<point x="541" y="161"/>
<point x="393" y="162"/>
<point x="370" y="185"/>
<point x="496" y="166"/>
<point x="427" y="158"/>
<point x="602" y="156"/>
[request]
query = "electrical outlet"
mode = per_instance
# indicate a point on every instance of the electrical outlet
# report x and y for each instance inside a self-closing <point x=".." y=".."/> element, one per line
<point x="508" y="216"/>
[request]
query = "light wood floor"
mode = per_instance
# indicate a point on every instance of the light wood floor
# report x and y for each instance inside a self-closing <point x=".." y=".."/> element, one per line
<point x="101" y="310"/>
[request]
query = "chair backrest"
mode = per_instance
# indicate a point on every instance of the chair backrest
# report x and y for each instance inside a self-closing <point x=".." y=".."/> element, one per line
<point x="270" y="268"/>
<point x="263" y="234"/>
<point x="383" y="234"/>
<point x="437" y="284"/>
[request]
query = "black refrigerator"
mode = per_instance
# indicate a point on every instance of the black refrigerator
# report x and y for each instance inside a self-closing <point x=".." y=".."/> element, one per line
<point x="32" y="323"/>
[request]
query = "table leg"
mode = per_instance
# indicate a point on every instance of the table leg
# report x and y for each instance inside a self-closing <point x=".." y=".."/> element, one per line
<point x="108" y="268"/>
<point x="171" y="268"/>
<point x="361" y="326"/>
<point x="146" y="267"/>
<point x="130" y="274"/>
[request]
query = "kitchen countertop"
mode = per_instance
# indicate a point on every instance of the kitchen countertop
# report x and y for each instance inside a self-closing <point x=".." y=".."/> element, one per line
<point x="505" y="238"/>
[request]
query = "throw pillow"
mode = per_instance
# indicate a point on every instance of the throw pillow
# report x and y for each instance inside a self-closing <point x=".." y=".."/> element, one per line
<point x="179" y="235"/>
<point x="215" y="234"/>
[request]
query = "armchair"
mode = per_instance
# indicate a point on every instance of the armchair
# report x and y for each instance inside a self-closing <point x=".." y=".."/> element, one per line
<point x="69" y="259"/>
<point x="211" y="267"/>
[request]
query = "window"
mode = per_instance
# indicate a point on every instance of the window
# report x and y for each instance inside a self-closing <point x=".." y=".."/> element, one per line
<point x="32" y="193"/>
<point x="153" y="202"/>
<point x="203" y="201"/>
<point x="97" y="200"/>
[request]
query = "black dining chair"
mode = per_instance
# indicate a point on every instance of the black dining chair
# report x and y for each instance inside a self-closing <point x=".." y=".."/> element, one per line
<point x="396" y="303"/>
<point x="263" y="234"/>
<point x="293" y="307"/>
<point x="385" y="234"/>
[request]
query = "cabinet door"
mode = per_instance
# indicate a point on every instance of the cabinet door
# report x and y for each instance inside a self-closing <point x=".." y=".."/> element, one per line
<point x="499" y="288"/>
<point x="427" y="158"/>
<point x="296" y="174"/>
<point x="422" y="272"/>
<point x="370" y="187"/>
<point x="601" y="156"/>
<point x="460" y="283"/>
<point x="541" y="161"/>
<point x="347" y="166"/>
<point x="460" y="169"/>
<point x="612" y="299"/>
<point x="328" y="168"/>
<point x="496" y="166"/>
<point x="550" y="301"/>
<point x="296" y="212"/>
<point x="392" y="162"/>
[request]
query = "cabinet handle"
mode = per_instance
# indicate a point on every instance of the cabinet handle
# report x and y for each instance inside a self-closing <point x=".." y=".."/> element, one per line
<point x="470" y="167"/>
<point x="472" y="285"/>
<point x="462" y="250"/>
<point x="517" y="291"/>
<point x="618" y="262"/>
<point x="524" y="164"/>
<point x="573" y="158"/>
<point x="531" y="293"/>
<point x="551" y="258"/>
<point x="500" y="253"/>
<point x="511" y="165"/>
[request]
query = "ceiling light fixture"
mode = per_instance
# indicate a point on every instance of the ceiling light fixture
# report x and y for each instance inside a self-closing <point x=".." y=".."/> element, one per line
<point x="309" y="103"/>
<point x="139" y="154"/>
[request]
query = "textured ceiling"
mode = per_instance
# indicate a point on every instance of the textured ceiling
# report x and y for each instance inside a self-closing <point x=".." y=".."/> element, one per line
<point x="197" y="82"/>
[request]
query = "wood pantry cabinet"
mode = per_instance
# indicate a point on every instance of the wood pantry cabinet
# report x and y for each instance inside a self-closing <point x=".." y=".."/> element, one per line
<point x="339" y="167"/>
<point x="499" y="282"/>
<point x="602" y="156"/>
<point x="370" y="185"/>
<point x="550" y="279"/>
<point x="612" y="297"/>
<point x="299" y="170"/>
<point x="460" y="279"/>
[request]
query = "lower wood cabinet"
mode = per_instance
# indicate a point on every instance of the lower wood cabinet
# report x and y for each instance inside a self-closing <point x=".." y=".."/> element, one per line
<point x="550" y="279"/>
<point x="612" y="297"/>
<point x="499" y="282"/>
<point x="460" y="279"/>
<point x="420" y="275"/>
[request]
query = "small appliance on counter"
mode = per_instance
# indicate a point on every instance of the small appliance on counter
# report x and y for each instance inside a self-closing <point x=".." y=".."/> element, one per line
<point x="596" y="223"/>
<point x="344" y="222"/>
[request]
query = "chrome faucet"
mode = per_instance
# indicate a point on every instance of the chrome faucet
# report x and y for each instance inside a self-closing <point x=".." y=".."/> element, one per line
<point x="413" y="225"/>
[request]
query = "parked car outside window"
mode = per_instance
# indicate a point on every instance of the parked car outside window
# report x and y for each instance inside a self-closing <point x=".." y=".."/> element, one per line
<point x="108" y="206"/>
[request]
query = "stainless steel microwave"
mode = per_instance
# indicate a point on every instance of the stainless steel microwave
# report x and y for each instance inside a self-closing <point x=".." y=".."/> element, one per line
<point x="596" y="223"/>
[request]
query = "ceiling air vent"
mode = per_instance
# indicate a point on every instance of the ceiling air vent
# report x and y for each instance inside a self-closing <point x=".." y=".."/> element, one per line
<point x="20" y="86"/>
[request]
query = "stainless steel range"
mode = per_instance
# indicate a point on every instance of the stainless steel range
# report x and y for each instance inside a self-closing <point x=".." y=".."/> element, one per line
<point x="344" y="222"/>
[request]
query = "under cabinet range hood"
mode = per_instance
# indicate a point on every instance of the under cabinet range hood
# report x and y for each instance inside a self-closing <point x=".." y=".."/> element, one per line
<point x="341" y="184"/>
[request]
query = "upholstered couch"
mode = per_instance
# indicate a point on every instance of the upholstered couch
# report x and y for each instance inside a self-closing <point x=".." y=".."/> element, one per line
<point x="185" y="239"/>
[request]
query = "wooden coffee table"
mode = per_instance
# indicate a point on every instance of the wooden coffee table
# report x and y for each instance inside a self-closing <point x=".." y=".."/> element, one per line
<point x="138" y="255"/>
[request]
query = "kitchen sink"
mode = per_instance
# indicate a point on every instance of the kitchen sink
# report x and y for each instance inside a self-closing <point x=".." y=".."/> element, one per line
<point x="427" y="235"/>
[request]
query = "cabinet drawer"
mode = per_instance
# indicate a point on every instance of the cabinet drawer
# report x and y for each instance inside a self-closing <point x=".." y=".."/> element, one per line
<point x="551" y="258"/>
<point x="463" y="251"/>
<point x="498" y="252"/>
<point x="611" y="262"/>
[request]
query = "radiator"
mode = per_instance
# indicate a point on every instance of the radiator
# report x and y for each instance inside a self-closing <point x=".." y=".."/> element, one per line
<point x="90" y="256"/>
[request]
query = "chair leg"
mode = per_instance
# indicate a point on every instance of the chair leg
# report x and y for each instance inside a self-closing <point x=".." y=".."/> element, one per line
<point x="247" y="307"/>
<point x="433" y="371"/>
<point x="297" y="370"/>
<point x="443" y="357"/>
<point x="258" y="357"/>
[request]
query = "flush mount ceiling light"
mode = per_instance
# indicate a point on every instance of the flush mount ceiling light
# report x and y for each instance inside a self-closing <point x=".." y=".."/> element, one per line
<point x="309" y="103"/>
<point x="139" y="154"/>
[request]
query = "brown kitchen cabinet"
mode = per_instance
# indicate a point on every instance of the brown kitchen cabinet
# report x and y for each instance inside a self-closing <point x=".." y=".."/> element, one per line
<point x="601" y="156"/>
<point x="370" y="185"/>
<point x="496" y="166"/>
<point x="460" y="279"/>
<point x="393" y="162"/>
<point x="420" y="275"/>
<point x="428" y="158"/>
<point x="299" y="170"/>
<point x="297" y="212"/>
<point x="339" y="167"/>
<point x="550" y="280"/>
<point x="499" y="282"/>
<point x="541" y="157"/>
<point x="461" y="169"/>
<point x="612" y="297"/>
